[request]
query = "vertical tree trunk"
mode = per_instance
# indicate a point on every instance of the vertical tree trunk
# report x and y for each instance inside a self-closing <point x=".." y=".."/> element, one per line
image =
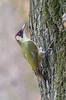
<point x="45" y="27"/>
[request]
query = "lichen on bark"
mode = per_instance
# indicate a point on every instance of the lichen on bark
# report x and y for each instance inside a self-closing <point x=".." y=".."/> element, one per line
<point x="45" y="27"/>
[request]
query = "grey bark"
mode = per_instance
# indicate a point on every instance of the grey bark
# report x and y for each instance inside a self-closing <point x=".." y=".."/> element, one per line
<point x="45" y="27"/>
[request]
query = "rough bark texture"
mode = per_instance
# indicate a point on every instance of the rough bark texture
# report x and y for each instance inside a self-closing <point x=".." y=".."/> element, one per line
<point x="45" y="27"/>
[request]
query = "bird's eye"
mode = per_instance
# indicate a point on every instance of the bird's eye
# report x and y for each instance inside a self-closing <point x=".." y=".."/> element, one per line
<point x="20" y="33"/>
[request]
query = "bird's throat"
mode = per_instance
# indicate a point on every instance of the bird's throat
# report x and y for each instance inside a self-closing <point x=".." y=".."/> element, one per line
<point x="25" y="38"/>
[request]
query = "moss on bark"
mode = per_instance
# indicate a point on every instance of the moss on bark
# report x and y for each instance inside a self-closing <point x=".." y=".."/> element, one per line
<point x="45" y="27"/>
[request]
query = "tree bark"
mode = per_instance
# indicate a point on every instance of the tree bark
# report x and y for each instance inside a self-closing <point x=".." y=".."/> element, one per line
<point x="45" y="27"/>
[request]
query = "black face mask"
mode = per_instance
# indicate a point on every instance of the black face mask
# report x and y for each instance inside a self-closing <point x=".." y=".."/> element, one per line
<point x="20" y="33"/>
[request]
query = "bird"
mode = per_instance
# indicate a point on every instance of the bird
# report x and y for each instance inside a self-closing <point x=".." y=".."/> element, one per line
<point x="30" y="51"/>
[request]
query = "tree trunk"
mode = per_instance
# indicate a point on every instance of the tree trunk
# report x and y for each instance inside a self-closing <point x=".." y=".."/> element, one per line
<point x="45" y="27"/>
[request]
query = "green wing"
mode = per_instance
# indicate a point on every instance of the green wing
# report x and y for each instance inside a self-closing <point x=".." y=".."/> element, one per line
<point x="30" y="52"/>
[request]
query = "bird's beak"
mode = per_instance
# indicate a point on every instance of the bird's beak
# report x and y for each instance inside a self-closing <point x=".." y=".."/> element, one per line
<point x="23" y="27"/>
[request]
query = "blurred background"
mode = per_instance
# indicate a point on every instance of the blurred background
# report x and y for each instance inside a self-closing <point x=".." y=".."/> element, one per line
<point x="17" y="80"/>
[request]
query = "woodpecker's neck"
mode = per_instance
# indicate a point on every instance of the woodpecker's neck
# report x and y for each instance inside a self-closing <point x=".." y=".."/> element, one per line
<point x="25" y="38"/>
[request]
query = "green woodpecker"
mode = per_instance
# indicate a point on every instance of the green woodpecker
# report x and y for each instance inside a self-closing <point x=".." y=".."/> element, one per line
<point x="30" y="51"/>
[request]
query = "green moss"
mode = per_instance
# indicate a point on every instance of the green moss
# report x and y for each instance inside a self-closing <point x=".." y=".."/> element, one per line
<point x="38" y="1"/>
<point x="55" y="9"/>
<point x="60" y="68"/>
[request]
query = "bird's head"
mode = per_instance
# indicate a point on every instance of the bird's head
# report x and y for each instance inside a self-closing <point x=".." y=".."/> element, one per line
<point x="19" y="34"/>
